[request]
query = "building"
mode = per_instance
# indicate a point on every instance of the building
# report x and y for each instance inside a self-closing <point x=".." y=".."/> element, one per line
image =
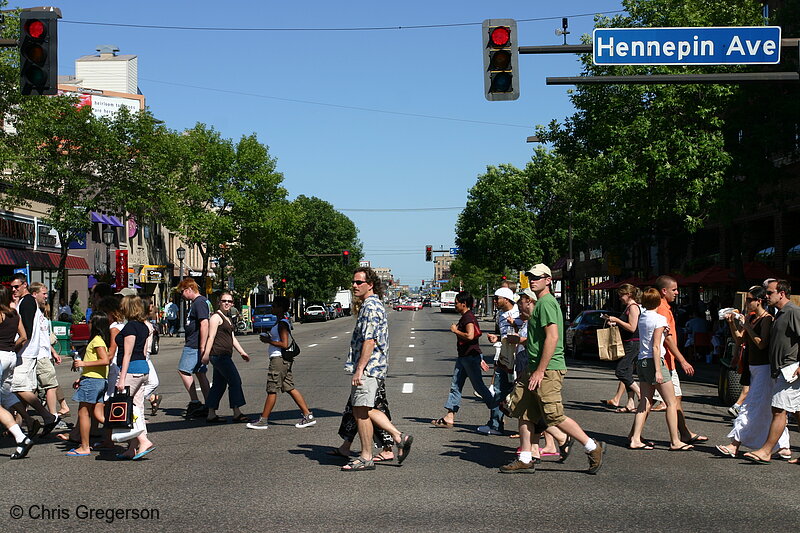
<point x="441" y="268"/>
<point x="385" y="274"/>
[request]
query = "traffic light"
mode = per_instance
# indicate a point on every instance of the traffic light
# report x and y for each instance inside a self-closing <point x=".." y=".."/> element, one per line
<point x="38" y="52"/>
<point x="345" y="257"/>
<point x="429" y="253"/>
<point x="500" y="59"/>
<point x="283" y="280"/>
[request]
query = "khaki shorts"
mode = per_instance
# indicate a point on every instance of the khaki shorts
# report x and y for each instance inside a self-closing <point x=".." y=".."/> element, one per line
<point x="25" y="376"/>
<point x="646" y="370"/>
<point x="46" y="374"/>
<point x="364" y="395"/>
<point x="279" y="376"/>
<point x="543" y="403"/>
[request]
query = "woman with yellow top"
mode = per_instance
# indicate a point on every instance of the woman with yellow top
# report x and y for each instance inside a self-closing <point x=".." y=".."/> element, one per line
<point x="91" y="386"/>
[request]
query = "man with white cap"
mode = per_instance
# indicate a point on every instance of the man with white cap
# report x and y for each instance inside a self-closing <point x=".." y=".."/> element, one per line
<point x="538" y="394"/>
<point x="504" y="361"/>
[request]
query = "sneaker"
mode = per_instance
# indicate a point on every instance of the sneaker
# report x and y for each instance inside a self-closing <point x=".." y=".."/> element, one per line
<point x="596" y="458"/>
<point x="486" y="430"/>
<point x="307" y="420"/>
<point x="733" y="410"/>
<point x="62" y="426"/>
<point x="262" y="423"/>
<point x="196" y="410"/>
<point x="518" y="466"/>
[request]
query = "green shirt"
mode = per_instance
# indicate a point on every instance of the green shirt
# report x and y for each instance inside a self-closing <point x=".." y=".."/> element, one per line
<point x="546" y="312"/>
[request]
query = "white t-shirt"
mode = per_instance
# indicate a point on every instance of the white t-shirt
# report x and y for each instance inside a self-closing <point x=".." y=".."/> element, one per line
<point x="44" y="335"/>
<point x="649" y="321"/>
<point x="39" y="329"/>
<point x="275" y="336"/>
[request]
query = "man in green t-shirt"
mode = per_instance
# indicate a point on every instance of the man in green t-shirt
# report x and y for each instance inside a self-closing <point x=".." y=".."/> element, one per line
<point x="537" y="393"/>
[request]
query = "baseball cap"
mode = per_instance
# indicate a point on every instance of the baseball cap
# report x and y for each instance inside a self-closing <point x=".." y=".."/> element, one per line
<point x="529" y="293"/>
<point x="127" y="291"/>
<point x="539" y="270"/>
<point x="504" y="292"/>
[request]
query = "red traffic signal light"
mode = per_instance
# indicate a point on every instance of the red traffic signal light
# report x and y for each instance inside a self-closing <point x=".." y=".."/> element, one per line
<point x="500" y="59"/>
<point x="283" y="280"/>
<point x="38" y="52"/>
<point x="429" y="253"/>
<point x="345" y="257"/>
<point x="504" y="278"/>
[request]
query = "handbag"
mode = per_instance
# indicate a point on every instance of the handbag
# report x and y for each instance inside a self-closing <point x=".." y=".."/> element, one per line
<point x="119" y="410"/>
<point x="292" y="351"/>
<point x="609" y="344"/>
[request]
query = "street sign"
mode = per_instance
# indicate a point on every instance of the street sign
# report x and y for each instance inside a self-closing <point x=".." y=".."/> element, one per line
<point x="363" y="264"/>
<point x="454" y="251"/>
<point x="741" y="45"/>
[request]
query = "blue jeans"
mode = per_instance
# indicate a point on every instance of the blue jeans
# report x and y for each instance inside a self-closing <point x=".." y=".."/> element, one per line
<point x="502" y="387"/>
<point x="225" y="375"/>
<point x="468" y="366"/>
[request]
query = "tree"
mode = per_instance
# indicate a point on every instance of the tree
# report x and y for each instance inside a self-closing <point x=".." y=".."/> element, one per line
<point x="318" y="229"/>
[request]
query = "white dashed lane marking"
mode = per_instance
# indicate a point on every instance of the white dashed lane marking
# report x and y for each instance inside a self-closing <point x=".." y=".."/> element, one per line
<point x="410" y="345"/>
<point x="334" y="337"/>
<point x="409" y="359"/>
<point x="412" y="338"/>
<point x="311" y="345"/>
<point x="408" y="388"/>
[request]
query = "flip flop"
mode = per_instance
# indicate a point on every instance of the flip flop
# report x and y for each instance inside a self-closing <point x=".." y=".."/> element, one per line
<point x="794" y="461"/>
<point x="215" y="420"/>
<point x="754" y="459"/>
<point x="336" y="452"/>
<point x="610" y="404"/>
<point x="724" y="450"/>
<point x="549" y="454"/>
<point x="684" y="448"/>
<point x="74" y="453"/>
<point x="242" y="418"/>
<point x="142" y="454"/>
<point x="644" y="446"/>
<point x="441" y="423"/>
<point x="381" y="459"/>
<point x="624" y="410"/>
<point x="697" y="438"/>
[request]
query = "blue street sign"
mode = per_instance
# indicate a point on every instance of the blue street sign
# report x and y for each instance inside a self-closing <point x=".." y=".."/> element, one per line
<point x="745" y="45"/>
<point x="453" y="251"/>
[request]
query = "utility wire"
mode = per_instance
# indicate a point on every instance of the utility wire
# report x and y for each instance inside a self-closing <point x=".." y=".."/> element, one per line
<point x="364" y="28"/>
<point x="408" y="209"/>
<point x="339" y="106"/>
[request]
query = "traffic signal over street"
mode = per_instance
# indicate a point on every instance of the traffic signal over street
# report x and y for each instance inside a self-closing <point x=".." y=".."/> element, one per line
<point x="429" y="253"/>
<point x="345" y="257"/>
<point x="38" y="52"/>
<point x="500" y="59"/>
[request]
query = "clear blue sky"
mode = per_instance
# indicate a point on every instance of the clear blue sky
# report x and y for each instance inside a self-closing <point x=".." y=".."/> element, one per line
<point x="353" y="158"/>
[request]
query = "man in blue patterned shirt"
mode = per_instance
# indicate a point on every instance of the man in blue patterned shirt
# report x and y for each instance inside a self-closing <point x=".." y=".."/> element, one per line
<point x="369" y="351"/>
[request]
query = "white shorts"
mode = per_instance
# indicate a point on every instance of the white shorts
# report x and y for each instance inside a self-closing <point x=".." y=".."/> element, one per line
<point x="785" y="395"/>
<point x="25" y="376"/>
<point x="676" y="383"/>
<point x="8" y="361"/>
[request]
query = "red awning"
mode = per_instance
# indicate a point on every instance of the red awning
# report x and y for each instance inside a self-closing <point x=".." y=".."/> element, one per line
<point x="43" y="260"/>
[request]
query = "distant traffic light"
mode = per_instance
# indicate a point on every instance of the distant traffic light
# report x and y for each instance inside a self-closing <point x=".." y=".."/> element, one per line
<point x="504" y="277"/>
<point x="345" y="257"/>
<point x="38" y="52"/>
<point x="500" y="59"/>
<point x="283" y="280"/>
<point x="429" y="253"/>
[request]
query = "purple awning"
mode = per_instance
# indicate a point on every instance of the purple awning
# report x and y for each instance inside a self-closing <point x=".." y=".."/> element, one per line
<point x="114" y="221"/>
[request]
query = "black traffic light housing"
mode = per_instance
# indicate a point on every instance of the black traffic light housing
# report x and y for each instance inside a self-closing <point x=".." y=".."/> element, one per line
<point x="500" y="59"/>
<point x="38" y="52"/>
<point x="345" y="257"/>
<point x="429" y="253"/>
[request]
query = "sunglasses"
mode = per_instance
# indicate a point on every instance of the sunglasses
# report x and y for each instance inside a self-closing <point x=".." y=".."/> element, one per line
<point x="358" y="282"/>
<point x="535" y="278"/>
<point x="770" y="293"/>
<point x="226" y="301"/>
<point x="15" y="287"/>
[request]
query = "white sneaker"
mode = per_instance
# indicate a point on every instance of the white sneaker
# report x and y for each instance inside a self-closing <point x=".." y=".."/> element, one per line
<point x="262" y="423"/>
<point x="307" y="420"/>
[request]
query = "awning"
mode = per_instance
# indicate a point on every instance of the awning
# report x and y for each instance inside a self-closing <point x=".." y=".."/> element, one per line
<point x="114" y="221"/>
<point x="44" y="260"/>
<point x="105" y="219"/>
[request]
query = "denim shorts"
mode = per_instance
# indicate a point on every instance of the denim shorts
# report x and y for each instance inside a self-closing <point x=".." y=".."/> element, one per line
<point x="190" y="362"/>
<point x="90" y="390"/>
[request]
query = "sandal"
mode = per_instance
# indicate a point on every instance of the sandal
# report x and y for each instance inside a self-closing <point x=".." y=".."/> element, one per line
<point x="242" y="418"/>
<point x="216" y="420"/>
<point x="336" y="452"/>
<point x="154" y="404"/>
<point x="610" y="404"/>
<point x="404" y="446"/>
<point x="358" y="464"/>
<point x="624" y="410"/>
<point x="565" y="449"/>
<point x="441" y="423"/>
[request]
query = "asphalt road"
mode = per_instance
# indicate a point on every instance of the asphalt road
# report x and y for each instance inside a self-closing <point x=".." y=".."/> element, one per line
<point x="226" y="477"/>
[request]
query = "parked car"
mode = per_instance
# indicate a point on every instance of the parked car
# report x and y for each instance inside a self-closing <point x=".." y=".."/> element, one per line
<point x="314" y="313"/>
<point x="263" y="319"/>
<point x="426" y="302"/>
<point x="435" y="303"/>
<point x="580" y="336"/>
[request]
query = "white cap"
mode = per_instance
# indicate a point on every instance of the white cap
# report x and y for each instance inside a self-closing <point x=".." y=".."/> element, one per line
<point x="127" y="291"/>
<point x="504" y="292"/>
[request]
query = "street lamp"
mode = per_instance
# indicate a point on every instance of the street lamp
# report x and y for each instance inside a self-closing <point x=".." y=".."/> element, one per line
<point x="181" y="253"/>
<point x="108" y="240"/>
